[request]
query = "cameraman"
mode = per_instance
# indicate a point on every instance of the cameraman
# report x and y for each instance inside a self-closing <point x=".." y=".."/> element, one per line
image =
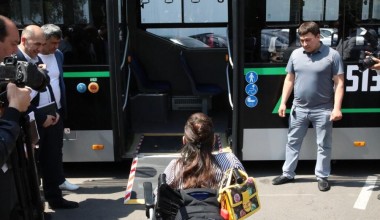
<point x="19" y="100"/>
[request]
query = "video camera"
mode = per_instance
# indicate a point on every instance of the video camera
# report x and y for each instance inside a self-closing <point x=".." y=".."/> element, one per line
<point x="366" y="61"/>
<point x="23" y="74"/>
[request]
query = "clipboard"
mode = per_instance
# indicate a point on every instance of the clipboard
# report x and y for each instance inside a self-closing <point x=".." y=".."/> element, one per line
<point x="48" y="109"/>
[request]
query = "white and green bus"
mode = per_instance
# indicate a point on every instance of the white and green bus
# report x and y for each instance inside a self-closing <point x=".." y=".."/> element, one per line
<point x="135" y="70"/>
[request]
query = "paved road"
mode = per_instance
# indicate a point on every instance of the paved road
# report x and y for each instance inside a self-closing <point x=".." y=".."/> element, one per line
<point x="355" y="186"/>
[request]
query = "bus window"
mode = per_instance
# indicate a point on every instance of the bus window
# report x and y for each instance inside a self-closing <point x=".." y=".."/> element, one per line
<point x="83" y="25"/>
<point x="193" y="37"/>
<point x="281" y="11"/>
<point x="376" y="9"/>
<point x="332" y="10"/>
<point x="161" y="12"/>
<point x="274" y="42"/>
<point x="359" y="40"/>
<point x="24" y="12"/>
<point x="205" y="11"/>
<point x="49" y="11"/>
<point x="212" y="16"/>
<point x="367" y="13"/>
<point x="315" y="10"/>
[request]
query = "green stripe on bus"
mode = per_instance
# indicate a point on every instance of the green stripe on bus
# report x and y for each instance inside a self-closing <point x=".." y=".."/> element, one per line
<point x="281" y="71"/>
<point x="344" y="110"/>
<point x="361" y="110"/>
<point x="266" y="71"/>
<point x="86" y="74"/>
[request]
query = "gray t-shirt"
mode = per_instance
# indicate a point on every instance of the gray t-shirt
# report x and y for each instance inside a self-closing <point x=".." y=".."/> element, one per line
<point x="314" y="85"/>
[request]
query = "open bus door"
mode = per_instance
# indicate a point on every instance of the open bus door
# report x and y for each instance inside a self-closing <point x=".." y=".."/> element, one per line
<point x="177" y="65"/>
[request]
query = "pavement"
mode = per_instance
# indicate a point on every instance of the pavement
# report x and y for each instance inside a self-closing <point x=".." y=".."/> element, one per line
<point x="353" y="195"/>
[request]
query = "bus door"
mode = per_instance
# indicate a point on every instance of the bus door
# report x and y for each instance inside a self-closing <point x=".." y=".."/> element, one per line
<point x="177" y="61"/>
<point x="88" y="45"/>
<point x="270" y="35"/>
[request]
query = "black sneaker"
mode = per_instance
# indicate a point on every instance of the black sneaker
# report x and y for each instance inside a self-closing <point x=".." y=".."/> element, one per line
<point x="323" y="184"/>
<point x="281" y="180"/>
<point x="63" y="204"/>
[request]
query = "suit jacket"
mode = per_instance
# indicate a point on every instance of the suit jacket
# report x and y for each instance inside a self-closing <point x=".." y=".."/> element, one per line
<point x="59" y="56"/>
<point x="40" y="118"/>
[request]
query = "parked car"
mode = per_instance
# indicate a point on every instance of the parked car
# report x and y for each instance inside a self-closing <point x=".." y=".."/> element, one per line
<point x="211" y="39"/>
<point x="327" y="34"/>
<point x="187" y="42"/>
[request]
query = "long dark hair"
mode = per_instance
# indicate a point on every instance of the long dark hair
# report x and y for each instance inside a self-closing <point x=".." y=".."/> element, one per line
<point x="196" y="163"/>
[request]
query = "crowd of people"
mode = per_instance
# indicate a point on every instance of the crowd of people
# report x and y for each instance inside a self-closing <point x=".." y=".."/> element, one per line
<point x="38" y="46"/>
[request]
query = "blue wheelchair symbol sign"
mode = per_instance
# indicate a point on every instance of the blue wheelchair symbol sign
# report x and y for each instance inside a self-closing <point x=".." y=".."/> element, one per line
<point x="251" y="77"/>
<point x="251" y="101"/>
<point x="251" y="89"/>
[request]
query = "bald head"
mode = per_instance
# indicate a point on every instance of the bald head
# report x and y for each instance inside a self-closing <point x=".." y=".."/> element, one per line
<point x="31" y="31"/>
<point x="9" y="37"/>
<point x="32" y="40"/>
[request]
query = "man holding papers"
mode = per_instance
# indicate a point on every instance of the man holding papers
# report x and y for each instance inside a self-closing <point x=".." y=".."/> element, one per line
<point x="48" y="107"/>
<point x="53" y="103"/>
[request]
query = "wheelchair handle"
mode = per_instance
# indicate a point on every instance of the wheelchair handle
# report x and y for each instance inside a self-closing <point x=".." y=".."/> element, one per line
<point x="162" y="179"/>
<point x="238" y="177"/>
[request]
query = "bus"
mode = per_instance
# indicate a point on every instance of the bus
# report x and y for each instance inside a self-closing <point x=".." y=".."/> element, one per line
<point x="135" y="70"/>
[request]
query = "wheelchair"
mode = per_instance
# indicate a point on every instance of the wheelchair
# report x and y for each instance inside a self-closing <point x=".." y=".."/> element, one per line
<point x="176" y="204"/>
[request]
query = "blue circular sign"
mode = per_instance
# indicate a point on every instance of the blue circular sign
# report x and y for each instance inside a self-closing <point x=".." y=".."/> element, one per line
<point x="251" y="101"/>
<point x="81" y="87"/>
<point x="251" y="89"/>
<point x="251" y="77"/>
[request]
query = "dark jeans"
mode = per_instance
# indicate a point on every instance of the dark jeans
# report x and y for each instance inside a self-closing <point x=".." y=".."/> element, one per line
<point x="50" y="160"/>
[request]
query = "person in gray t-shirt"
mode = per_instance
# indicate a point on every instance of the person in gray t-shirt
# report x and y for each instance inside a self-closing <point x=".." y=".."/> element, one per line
<point x="315" y="71"/>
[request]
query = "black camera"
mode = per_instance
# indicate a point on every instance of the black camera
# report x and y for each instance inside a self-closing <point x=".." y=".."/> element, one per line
<point x="366" y="62"/>
<point x="23" y="74"/>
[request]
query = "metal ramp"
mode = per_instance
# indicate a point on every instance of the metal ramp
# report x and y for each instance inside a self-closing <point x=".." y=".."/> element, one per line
<point x="144" y="169"/>
<point x="146" y="166"/>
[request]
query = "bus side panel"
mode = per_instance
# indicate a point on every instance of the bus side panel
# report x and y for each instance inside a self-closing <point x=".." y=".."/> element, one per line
<point x="264" y="133"/>
<point x="269" y="144"/>
<point x="78" y="146"/>
<point x="88" y="120"/>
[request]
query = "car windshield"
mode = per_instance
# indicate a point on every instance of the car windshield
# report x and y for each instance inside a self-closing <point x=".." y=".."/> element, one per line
<point x="187" y="42"/>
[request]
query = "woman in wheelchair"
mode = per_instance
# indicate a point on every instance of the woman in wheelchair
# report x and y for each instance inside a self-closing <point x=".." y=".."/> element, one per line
<point x="198" y="167"/>
<point x="190" y="189"/>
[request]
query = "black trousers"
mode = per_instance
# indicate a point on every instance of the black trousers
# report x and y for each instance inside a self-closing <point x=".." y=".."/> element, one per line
<point x="8" y="194"/>
<point x="50" y="160"/>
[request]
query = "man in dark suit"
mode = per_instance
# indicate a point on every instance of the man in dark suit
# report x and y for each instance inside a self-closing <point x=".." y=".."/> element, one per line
<point x="50" y="126"/>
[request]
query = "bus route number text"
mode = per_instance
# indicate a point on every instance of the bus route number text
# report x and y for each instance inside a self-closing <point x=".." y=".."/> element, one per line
<point x="361" y="81"/>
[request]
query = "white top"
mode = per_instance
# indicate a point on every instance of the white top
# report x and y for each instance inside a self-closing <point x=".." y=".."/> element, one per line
<point x="51" y="66"/>
<point x="225" y="161"/>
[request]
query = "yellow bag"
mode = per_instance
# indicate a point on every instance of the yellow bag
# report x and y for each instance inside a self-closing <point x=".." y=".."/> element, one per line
<point x="239" y="198"/>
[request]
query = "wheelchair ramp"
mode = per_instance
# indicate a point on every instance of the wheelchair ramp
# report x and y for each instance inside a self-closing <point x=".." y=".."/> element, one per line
<point x="155" y="143"/>
<point x="153" y="154"/>
<point x="145" y="169"/>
